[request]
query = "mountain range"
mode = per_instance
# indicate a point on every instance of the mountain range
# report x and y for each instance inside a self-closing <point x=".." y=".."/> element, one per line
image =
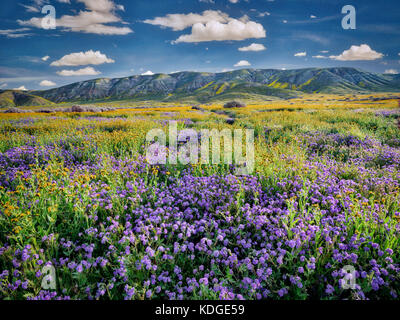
<point x="206" y="87"/>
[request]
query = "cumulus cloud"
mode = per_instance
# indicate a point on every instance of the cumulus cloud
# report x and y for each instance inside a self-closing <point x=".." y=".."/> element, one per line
<point x="47" y="83"/>
<point x="21" y="88"/>
<point x="147" y="73"/>
<point x="45" y="58"/>
<point x="99" y="5"/>
<point x="211" y="25"/>
<point x="82" y="59"/>
<point x="300" y="54"/>
<point x="242" y="63"/>
<point x="355" y="53"/>
<point x="216" y="31"/>
<point x="391" y="71"/>
<point x="179" y="22"/>
<point x="99" y="13"/>
<point x="89" y="71"/>
<point x="253" y="47"/>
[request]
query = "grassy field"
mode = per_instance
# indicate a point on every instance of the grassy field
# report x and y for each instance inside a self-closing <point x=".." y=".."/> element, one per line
<point x="76" y="193"/>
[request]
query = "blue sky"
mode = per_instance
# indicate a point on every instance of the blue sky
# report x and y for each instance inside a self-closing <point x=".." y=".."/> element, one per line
<point x="119" y="38"/>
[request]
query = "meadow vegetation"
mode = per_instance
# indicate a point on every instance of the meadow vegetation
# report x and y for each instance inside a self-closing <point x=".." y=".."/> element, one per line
<point x="77" y="193"/>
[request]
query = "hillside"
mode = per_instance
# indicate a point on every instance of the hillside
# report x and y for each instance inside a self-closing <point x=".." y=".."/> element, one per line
<point x="15" y="98"/>
<point x="204" y="87"/>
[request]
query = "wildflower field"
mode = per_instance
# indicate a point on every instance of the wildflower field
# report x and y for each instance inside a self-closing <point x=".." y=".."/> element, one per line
<point x="76" y="193"/>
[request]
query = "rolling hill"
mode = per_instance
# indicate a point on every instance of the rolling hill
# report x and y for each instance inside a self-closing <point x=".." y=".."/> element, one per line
<point x="207" y="87"/>
<point x="16" y="98"/>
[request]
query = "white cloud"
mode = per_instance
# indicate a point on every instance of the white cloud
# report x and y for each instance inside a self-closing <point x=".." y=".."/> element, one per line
<point x="30" y="8"/>
<point x="216" y="31"/>
<point x="99" y="13"/>
<point x="82" y="59"/>
<point x="99" y="5"/>
<point x="89" y="71"/>
<point x="45" y="58"/>
<point x="324" y="51"/>
<point x="300" y="54"/>
<point x="233" y="1"/>
<point x="3" y="85"/>
<point x="47" y="83"/>
<point x="147" y="73"/>
<point x="211" y="25"/>
<point x="285" y="21"/>
<point x="320" y="57"/>
<point x="37" y="5"/>
<point x="15" y="33"/>
<point x="391" y="71"/>
<point x="253" y="47"/>
<point x="355" y="53"/>
<point x="313" y="17"/>
<point x="242" y="63"/>
<point x="179" y="22"/>
<point x="21" y="88"/>
<point x="263" y="14"/>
